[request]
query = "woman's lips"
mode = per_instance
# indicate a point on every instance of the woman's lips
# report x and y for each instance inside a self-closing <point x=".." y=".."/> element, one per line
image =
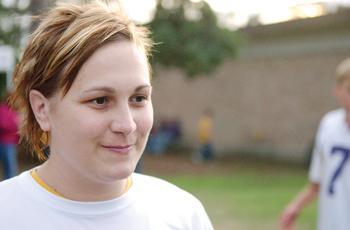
<point x="122" y="149"/>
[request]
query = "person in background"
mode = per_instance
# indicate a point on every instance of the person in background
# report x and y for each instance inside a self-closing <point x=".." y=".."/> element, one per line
<point x="8" y="138"/>
<point x="84" y="89"/>
<point x="329" y="173"/>
<point x="164" y="136"/>
<point x="205" y="133"/>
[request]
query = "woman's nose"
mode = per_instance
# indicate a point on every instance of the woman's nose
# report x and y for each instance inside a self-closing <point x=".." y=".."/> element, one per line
<point x="123" y="121"/>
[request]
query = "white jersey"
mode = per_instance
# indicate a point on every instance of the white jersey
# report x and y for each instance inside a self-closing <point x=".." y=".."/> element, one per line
<point x="150" y="203"/>
<point x="330" y="167"/>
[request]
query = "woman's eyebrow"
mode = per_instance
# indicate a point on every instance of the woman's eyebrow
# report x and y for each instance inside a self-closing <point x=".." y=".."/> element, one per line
<point x="141" y="87"/>
<point x="111" y="90"/>
<point x="100" y="88"/>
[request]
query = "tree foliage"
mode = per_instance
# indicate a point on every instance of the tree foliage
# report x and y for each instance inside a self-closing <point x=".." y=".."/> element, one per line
<point x="12" y="23"/>
<point x="189" y="37"/>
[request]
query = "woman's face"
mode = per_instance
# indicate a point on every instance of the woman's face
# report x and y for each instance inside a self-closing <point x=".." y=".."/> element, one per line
<point x="100" y="127"/>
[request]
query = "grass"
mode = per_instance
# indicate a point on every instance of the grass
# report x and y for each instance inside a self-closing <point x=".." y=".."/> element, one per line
<point x="247" y="196"/>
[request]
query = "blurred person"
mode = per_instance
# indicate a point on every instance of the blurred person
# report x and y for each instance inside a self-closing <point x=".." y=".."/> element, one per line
<point x="205" y="133"/>
<point x="8" y="138"/>
<point x="83" y="87"/>
<point x="329" y="173"/>
<point x="163" y="136"/>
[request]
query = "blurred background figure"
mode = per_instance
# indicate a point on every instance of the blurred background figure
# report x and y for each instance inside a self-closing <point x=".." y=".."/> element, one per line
<point x="330" y="169"/>
<point x="205" y="135"/>
<point x="164" y="136"/>
<point x="8" y="138"/>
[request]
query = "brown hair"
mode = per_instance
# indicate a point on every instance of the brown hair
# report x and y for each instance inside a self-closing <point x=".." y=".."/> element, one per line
<point x="65" y="38"/>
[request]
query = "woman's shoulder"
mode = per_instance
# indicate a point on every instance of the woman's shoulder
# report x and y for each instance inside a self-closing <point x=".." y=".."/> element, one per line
<point x="170" y="203"/>
<point x="9" y="190"/>
<point x="14" y="182"/>
<point x="151" y="182"/>
<point x="8" y="184"/>
<point x="160" y="189"/>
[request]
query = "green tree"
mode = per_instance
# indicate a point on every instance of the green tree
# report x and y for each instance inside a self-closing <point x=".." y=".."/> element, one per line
<point x="188" y="37"/>
<point x="12" y="28"/>
<point x="12" y="22"/>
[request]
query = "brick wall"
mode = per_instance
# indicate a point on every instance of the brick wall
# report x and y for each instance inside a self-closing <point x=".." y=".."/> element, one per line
<point x="263" y="105"/>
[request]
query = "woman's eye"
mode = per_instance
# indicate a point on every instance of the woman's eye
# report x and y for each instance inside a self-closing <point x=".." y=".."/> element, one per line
<point x="100" y="100"/>
<point x="139" y="99"/>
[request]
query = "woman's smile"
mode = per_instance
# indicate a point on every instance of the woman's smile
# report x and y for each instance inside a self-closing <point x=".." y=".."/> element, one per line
<point x="121" y="149"/>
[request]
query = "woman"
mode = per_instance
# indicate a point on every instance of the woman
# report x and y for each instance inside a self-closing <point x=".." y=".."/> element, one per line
<point x="84" y="89"/>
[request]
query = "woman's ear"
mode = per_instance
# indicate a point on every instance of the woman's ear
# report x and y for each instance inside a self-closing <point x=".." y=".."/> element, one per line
<point x="40" y="108"/>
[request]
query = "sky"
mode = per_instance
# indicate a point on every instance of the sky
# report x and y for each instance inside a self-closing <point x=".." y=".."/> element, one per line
<point x="235" y="13"/>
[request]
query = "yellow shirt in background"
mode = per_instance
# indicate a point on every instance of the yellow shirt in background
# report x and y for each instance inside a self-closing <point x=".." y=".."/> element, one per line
<point x="205" y="129"/>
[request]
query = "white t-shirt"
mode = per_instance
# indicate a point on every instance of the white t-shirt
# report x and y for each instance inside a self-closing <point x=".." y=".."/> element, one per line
<point x="150" y="203"/>
<point x="330" y="167"/>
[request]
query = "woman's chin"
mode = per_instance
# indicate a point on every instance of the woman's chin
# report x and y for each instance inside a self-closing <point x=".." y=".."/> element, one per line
<point x="120" y="174"/>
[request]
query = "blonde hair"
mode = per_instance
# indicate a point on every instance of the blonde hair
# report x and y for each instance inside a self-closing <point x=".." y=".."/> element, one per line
<point x="65" y="38"/>
<point x="343" y="71"/>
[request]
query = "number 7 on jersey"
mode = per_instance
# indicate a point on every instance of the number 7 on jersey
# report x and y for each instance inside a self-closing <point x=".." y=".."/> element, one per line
<point x="345" y="154"/>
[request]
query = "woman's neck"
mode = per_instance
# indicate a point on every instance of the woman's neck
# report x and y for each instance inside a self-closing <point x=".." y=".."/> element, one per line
<point x="72" y="185"/>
